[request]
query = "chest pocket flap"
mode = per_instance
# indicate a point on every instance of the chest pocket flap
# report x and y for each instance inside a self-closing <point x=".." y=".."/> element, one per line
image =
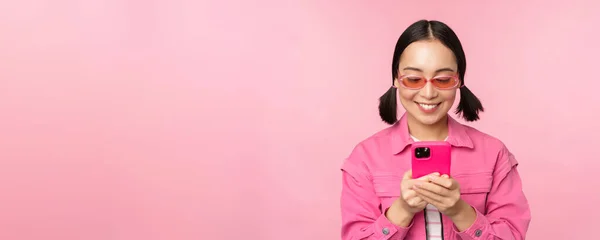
<point x="474" y="183"/>
<point x="387" y="185"/>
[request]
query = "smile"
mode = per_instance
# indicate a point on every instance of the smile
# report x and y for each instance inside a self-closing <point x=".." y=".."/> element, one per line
<point x="427" y="107"/>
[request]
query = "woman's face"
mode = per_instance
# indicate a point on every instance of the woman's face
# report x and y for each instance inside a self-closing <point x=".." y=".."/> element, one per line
<point x="428" y="59"/>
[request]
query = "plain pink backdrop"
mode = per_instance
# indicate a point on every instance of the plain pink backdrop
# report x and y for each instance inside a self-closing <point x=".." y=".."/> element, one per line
<point x="170" y="119"/>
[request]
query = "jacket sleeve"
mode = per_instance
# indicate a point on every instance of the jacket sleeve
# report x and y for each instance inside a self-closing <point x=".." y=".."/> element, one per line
<point x="508" y="213"/>
<point x="362" y="217"/>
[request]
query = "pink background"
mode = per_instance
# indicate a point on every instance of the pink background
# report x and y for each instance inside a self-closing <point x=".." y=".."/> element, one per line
<point x="171" y="119"/>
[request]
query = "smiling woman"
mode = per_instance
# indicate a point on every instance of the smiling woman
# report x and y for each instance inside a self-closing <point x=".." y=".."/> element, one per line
<point x="434" y="48"/>
<point x="481" y="198"/>
<point x="427" y="102"/>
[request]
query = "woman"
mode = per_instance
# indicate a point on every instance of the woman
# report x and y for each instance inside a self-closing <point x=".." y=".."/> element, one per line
<point x="483" y="198"/>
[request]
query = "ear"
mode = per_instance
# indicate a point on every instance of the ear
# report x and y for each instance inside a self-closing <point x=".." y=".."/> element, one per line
<point x="396" y="83"/>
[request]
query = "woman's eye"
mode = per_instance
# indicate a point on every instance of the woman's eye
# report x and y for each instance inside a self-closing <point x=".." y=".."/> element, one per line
<point x="414" y="79"/>
<point x="443" y="80"/>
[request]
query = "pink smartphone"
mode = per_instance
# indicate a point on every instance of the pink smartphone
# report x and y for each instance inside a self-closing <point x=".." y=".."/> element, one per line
<point x="429" y="157"/>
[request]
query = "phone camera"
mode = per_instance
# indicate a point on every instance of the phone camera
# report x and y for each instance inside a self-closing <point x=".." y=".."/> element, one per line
<point x="422" y="152"/>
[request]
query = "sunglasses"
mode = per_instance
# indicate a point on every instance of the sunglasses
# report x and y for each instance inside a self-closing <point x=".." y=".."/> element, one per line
<point x="417" y="82"/>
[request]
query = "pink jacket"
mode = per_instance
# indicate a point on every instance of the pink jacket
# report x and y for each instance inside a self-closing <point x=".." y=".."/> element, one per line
<point x="482" y="165"/>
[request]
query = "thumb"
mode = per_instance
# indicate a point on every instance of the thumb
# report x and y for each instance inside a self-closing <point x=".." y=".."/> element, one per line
<point x="407" y="175"/>
<point x="428" y="177"/>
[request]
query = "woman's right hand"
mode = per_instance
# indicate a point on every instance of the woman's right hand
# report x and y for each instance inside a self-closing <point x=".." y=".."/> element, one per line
<point x="408" y="204"/>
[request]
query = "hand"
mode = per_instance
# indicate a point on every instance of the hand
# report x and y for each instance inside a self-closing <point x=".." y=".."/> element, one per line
<point x="408" y="204"/>
<point x="443" y="193"/>
<point x="409" y="199"/>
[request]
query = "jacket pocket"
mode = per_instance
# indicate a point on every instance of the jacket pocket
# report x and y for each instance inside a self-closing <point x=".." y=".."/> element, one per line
<point x="387" y="185"/>
<point x="387" y="189"/>
<point x="474" y="188"/>
<point x="474" y="183"/>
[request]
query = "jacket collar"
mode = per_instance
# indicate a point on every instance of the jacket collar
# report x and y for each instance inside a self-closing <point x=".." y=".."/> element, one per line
<point x="400" y="137"/>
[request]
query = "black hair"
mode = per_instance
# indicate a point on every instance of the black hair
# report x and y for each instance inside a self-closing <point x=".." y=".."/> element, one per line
<point x="469" y="105"/>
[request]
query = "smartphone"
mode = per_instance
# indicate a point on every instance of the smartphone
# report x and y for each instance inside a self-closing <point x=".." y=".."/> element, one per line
<point x="429" y="157"/>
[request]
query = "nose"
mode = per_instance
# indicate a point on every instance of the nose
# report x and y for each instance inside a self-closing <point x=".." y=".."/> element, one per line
<point x="428" y="91"/>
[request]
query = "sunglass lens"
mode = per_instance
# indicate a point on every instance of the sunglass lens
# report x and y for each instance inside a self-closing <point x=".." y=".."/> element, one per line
<point x="413" y="82"/>
<point x="444" y="82"/>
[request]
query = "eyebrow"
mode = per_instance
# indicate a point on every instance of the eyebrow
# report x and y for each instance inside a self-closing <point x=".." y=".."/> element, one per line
<point x="437" y="71"/>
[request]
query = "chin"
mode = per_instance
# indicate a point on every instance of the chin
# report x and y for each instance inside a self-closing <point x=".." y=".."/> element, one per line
<point x="429" y="120"/>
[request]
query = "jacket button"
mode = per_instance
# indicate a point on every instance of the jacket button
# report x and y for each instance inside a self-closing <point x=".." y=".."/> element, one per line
<point x="385" y="231"/>
<point x="478" y="233"/>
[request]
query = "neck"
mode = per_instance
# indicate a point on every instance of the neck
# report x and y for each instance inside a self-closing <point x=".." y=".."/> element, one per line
<point x="432" y="132"/>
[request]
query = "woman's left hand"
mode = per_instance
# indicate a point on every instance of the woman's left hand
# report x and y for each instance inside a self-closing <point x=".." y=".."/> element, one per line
<point x="443" y="193"/>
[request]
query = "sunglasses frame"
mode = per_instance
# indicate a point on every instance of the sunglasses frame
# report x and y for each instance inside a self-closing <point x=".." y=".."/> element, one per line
<point x="455" y="76"/>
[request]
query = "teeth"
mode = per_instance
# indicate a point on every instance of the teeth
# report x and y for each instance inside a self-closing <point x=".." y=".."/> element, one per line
<point x="427" y="106"/>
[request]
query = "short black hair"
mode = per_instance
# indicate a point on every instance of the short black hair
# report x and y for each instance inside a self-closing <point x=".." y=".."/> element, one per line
<point x="469" y="105"/>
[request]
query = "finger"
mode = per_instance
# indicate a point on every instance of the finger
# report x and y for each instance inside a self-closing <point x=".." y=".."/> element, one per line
<point x="414" y="201"/>
<point x="411" y="183"/>
<point x="408" y="194"/>
<point x="407" y="175"/>
<point x="434" y="188"/>
<point x="430" y="200"/>
<point x="412" y="197"/>
<point x="441" y="181"/>
<point x="428" y="176"/>
<point x="422" y="205"/>
<point x="419" y="200"/>
<point x="426" y="194"/>
<point x="450" y="183"/>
